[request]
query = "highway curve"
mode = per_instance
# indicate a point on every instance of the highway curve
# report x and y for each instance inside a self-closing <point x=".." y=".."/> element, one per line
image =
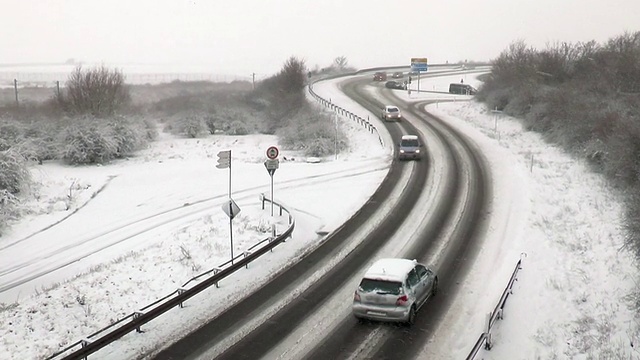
<point x="443" y="199"/>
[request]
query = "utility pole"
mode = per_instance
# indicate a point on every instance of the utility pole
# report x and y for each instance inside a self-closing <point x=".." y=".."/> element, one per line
<point x="15" y="88"/>
<point x="253" y="80"/>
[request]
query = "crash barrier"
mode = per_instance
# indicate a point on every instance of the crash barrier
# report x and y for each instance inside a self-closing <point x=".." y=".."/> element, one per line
<point x="497" y="313"/>
<point x="344" y="112"/>
<point x="135" y="320"/>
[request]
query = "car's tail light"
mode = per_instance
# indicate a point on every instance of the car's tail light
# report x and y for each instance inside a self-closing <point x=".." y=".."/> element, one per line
<point x="402" y="300"/>
<point x="356" y="296"/>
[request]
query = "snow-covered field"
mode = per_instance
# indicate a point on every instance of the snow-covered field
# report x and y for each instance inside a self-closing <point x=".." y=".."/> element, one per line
<point x="160" y="212"/>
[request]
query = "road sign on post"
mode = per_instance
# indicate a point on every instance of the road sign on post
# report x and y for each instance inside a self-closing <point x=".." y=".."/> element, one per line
<point x="272" y="152"/>
<point x="231" y="208"/>
<point x="419" y="64"/>
<point x="271" y="165"/>
<point x="224" y="159"/>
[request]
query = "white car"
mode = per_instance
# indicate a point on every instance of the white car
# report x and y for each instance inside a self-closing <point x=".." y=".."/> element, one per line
<point x="394" y="290"/>
<point x="391" y="112"/>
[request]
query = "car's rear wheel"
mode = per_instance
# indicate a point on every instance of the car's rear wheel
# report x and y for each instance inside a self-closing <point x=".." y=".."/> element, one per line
<point x="434" y="287"/>
<point x="412" y="316"/>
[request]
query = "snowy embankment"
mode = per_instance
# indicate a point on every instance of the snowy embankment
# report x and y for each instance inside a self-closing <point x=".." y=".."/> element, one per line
<point x="156" y="223"/>
<point x="573" y="298"/>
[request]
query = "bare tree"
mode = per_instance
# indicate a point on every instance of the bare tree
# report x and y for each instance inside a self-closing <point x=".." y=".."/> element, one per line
<point x="341" y="62"/>
<point x="97" y="91"/>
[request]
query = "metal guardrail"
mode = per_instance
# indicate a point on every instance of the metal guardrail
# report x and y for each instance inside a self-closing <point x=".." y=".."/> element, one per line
<point x="135" y="320"/>
<point x="344" y="112"/>
<point x="497" y="313"/>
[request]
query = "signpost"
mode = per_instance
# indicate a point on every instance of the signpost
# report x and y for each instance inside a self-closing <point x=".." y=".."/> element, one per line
<point x="272" y="152"/>
<point x="271" y="164"/>
<point x="419" y="65"/>
<point x="230" y="207"/>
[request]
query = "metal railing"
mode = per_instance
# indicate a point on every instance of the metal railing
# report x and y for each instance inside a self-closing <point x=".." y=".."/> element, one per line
<point x="135" y="320"/>
<point x="497" y="313"/>
<point x="344" y="112"/>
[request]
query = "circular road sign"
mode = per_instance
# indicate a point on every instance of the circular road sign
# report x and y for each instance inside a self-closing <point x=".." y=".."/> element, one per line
<point x="272" y="152"/>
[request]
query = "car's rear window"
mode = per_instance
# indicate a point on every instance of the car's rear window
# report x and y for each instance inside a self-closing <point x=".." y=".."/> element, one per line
<point x="381" y="286"/>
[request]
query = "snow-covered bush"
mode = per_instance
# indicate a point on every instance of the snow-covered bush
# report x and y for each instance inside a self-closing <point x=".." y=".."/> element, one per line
<point x="8" y="208"/>
<point x="40" y="140"/>
<point x="129" y="135"/>
<point x="191" y="125"/>
<point x="14" y="174"/>
<point x="320" y="147"/>
<point x="238" y="128"/>
<point x="88" y="141"/>
<point x="313" y="133"/>
<point x="14" y="178"/>
<point x="10" y="132"/>
<point x="211" y="123"/>
<point x="150" y="129"/>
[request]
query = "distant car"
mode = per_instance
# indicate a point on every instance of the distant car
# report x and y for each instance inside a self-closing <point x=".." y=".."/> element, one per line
<point x="409" y="148"/>
<point x="391" y="112"/>
<point x="397" y="75"/>
<point x="395" y="85"/>
<point x="380" y="76"/>
<point x="462" y="89"/>
<point x="394" y="290"/>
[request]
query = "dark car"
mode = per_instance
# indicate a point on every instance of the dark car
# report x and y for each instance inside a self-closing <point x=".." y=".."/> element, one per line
<point x="395" y="85"/>
<point x="380" y="76"/>
<point x="397" y="75"/>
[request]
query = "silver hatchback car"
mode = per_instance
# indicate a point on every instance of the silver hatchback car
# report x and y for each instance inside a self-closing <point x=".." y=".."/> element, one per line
<point x="394" y="290"/>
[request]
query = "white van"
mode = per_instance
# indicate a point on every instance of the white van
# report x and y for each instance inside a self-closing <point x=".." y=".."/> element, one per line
<point x="409" y="147"/>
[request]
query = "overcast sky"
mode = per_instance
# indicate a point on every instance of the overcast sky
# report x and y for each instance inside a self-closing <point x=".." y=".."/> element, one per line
<point x="257" y="36"/>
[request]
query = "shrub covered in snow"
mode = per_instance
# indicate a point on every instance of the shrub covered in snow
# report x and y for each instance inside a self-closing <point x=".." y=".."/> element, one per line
<point x="313" y="133"/>
<point x="10" y="132"/>
<point x="14" y="173"/>
<point x="14" y="178"/>
<point x="89" y="140"/>
<point x="190" y="125"/>
<point x="8" y="206"/>
<point x="129" y="135"/>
